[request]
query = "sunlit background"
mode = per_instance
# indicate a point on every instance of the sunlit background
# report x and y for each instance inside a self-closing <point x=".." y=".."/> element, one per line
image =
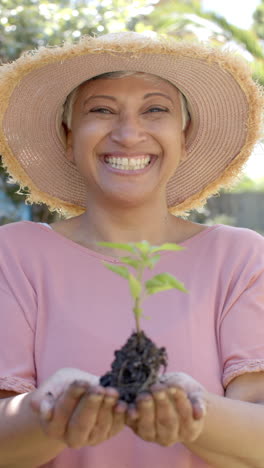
<point x="240" y="13"/>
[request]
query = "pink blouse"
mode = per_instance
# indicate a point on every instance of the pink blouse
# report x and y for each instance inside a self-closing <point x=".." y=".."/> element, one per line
<point x="60" y="307"/>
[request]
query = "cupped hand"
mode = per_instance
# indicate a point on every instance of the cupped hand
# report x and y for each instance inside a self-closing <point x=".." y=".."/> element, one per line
<point x="77" y="411"/>
<point x="55" y="385"/>
<point x="195" y="391"/>
<point x="174" y="411"/>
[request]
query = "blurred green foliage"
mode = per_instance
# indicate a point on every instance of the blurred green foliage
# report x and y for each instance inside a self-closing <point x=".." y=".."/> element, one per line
<point x="32" y="23"/>
<point x="258" y="16"/>
<point x="246" y="184"/>
<point x="187" y="20"/>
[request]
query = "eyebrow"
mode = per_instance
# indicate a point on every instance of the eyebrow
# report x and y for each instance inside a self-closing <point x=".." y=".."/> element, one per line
<point x="112" y="98"/>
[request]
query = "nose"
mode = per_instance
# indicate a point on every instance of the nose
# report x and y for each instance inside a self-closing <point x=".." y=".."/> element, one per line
<point x="128" y="131"/>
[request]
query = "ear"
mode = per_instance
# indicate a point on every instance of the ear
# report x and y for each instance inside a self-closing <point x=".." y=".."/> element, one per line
<point x="69" y="147"/>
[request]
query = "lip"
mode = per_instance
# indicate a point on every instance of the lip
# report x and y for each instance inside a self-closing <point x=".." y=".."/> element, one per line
<point x="129" y="172"/>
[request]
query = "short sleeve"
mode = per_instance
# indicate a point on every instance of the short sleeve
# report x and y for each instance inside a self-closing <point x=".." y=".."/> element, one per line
<point x="242" y="325"/>
<point x="17" y="306"/>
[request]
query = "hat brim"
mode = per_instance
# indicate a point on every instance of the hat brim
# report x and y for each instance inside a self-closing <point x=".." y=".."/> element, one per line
<point x="224" y="102"/>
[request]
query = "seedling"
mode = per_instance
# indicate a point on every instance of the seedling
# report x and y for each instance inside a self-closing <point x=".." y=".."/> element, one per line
<point x="137" y="363"/>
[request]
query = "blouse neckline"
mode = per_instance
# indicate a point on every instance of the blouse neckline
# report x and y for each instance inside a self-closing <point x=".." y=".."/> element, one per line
<point x="109" y="258"/>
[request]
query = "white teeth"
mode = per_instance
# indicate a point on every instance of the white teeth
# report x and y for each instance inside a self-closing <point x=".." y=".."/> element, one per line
<point x="128" y="163"/>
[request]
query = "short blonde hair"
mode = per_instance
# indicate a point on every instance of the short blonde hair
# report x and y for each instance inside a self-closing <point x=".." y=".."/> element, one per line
<point x="71" y="98"/>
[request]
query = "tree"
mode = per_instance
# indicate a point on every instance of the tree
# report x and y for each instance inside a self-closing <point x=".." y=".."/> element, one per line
<point x="187" y="20"/>
<point x="32" y="23"/>
<point x="258" y="16"/>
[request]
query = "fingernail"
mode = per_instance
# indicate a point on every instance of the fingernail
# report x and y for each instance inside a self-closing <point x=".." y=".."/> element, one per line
<point x="143" y="397"/>
<point x="95" y="396"/>
<point x="97" y="389"/>
<point x="157" y="387"/>
<point x="80" y="383"/>
<point x="160" y="395"/>
<point x="77" y="392"/>
<point x="202" y="406"/>
<point x="110" y="400"/>
<point x="121" y="407"/>
<point x="133" y="415"/>
<point x="144" y="401"/>
<point x="46" y="409"/>
<point x="112" y="392"/>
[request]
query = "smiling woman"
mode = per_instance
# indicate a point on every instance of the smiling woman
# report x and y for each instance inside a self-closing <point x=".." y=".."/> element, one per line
<point x="123" y="135"/>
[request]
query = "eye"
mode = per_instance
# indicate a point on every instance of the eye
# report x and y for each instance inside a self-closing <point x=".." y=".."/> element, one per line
<point x="101" y="110"/>
<point x="157" y="109"/>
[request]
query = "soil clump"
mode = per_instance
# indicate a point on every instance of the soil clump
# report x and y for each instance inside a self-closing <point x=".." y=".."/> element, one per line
<point x="135" y="367"/>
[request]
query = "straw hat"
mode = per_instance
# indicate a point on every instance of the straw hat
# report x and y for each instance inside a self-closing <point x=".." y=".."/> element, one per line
<point x="225" y="106"/>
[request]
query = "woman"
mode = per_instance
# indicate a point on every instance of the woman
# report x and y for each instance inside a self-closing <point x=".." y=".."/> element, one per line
<point x="122" y="134"/>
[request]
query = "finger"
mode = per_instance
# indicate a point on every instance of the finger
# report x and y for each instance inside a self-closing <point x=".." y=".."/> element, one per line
<point x="132" y="412"/>
<point x="119" y="415"/>
<point x="105" y="416"/>
<point x="84" y="418"/>
<point x="46" y="407"/>
<point x="146" y="417"/>
<point x="167" y="420"/>
<point x="198" y="407"/>
<point x="62" y="410"/>
<point x="188" y="426"/>
<point x="40" y="395"/>
<point x="131" y="417"/>
<point x="36" y="400"/>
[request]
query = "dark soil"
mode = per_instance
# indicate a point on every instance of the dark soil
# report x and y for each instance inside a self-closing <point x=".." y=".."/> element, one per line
<point x="136" y="367"/>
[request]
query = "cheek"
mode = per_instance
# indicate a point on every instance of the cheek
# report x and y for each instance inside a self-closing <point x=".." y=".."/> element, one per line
<point x="166" y="129"/>
<point x="169" y="137"/>
<point x="87" y="136"/>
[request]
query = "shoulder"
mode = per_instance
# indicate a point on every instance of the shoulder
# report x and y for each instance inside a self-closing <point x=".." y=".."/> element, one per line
<point x="235" y="233"/>
<point x="20" y="238"/>
<point x="242" y="254"/>
<point x="23" y="251"/>
<point x="17" y="231"/>
<point x="227" y="245"/>
<point x="238" y="239"/>
<point x="232" y="254"/>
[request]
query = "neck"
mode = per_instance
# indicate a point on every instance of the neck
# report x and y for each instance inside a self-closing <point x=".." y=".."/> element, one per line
<point x="111" y="224"/>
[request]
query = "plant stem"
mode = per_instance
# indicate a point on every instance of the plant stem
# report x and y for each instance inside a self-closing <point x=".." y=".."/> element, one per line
<point x="137" y="315"/>
<point x="138" y="301"/>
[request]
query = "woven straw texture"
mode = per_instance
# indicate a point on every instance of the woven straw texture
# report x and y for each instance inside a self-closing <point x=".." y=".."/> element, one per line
<point x="225" y="106"/>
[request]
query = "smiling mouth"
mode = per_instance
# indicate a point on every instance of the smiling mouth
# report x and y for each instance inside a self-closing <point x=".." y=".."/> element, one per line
<point x="128" y="163"/>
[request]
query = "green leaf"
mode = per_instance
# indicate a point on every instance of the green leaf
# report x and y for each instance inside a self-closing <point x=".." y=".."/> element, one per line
<point x="167" y="246"/>
<point x="120" y="270"/>
<point x="130" y="261"/>
<point x="135" y="286"/>
<point x="144" y="247"/>
<point x="152" y="261"/>
<point x="163" y="282"/>
<point x="115" y="245"/>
